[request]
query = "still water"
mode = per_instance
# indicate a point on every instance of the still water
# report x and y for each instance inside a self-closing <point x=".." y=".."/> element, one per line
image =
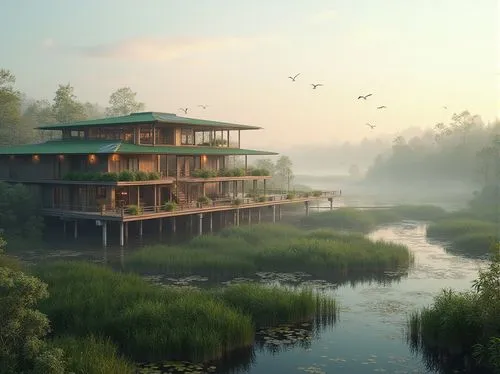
<point x="369" y="336"/>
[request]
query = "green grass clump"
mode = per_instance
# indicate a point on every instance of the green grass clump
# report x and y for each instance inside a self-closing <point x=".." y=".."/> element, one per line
<point x="462" y="325"/>
<point x="469" y="236"/>
<point x="146" y="322"/>
<point x="368" y="219"/>
<point x="333" y="257"/>
<point x="91" y="355"/>
<point x="245" y="250"/>
<point x="269" y="306"/>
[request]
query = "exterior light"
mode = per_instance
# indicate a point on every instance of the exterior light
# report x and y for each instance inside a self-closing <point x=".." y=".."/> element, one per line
<point x="61" y="157"/>
<point x="204" y="158"/>
<point x="92" y="159"/>
<point x="36" y="158"/>
<point x="115" y="157"/>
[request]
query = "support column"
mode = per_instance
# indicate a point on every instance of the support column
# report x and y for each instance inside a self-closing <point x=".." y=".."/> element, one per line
<point x="200" y="224"/>
<point x="259" y="214"/>
<point x="126" y="232"/>
<point x="160" y="226"/>
<point x="174" y="225"/>
<point x="306" y="203"/>
<point x="75" y="231"/>
<point x="104" y="233"/>
<point x="155" y="201"/>
<point x="122" y="239"/>
<point x="279" y="212"/>
<point x="237" y="217"/>
<point x="211" y="222"/>
<point x="331" y="203"/>
<point x="140" y="229"/>
<point x="274" y="213"/>
<point x="250" y="216"/>
<point x="265" y="187"/>
<point x="138" y="196"/>
<point x="64" y="228"/>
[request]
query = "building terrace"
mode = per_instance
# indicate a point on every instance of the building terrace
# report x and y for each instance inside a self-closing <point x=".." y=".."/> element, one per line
<point x="141" y="166"/>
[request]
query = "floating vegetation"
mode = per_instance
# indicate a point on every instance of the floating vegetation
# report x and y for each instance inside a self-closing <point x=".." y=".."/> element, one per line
<point x="284" y="337"/>
<point x="176" y="367"/>
<point x="313" y="369"/>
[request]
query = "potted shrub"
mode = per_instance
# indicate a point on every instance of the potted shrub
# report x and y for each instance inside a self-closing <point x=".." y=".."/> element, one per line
<point x="126" y="176"/>
<point x="134" y="210"/>
<point x="290" y="195"/>
<point x="170" y="206"/>
<point x="237" y="202"/>
<point x="203" y="200"/>
<point x="141" y="176"/>
<point x="153" y="175"/>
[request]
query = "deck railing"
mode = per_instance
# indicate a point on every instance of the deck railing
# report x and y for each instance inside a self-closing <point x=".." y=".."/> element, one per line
<point x="229" y="202"/>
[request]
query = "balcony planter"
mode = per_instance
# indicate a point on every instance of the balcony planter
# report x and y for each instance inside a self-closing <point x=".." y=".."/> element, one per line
<point x="134" y="210"/>
<point x="203" y="200"/>
<point x="290" y="196"/>
<point x="237" y="202"/>
<point x="170" y="206"/>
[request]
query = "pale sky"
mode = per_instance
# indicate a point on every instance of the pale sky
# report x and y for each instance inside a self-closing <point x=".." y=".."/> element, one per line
<point x="414" y="56"/>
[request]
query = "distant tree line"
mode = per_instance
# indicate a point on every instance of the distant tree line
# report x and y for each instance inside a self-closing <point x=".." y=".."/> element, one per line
<point x="20" y="116"/>
<point x="464" y="150"/>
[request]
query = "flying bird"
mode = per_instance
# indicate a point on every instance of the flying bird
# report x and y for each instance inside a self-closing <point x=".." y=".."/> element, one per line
<point x="364" y="97"/>
<point x="445" y="107"/>
<point x="381" y="107"/>
<point x="203" y="106"/>
<point x="315" y="85"/>
<point x="185" y="110"/>
<point x="293" y="78"/>
<point x="371" y="126"/>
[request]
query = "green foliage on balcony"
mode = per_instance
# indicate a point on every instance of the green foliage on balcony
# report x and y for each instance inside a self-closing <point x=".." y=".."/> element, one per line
<point x="259" y="172"/>
<point x="204" y="200"/>
<point x="235" y="172"/>
<point x="204" y="173"/>
<point x="317" y="193"/>
<point x="124" y="176"/>
<point x="134" y="210"/>
<point x="169" y="206"/>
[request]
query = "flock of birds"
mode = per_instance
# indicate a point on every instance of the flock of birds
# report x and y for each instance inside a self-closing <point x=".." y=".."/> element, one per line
<point x="364" y="97"/>
<point x="314" y="86"/>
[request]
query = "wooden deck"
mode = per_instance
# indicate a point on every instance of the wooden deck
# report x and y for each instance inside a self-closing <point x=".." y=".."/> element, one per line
<point x="157" y="212"/>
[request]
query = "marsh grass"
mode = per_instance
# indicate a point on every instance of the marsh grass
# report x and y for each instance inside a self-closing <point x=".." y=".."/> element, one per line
<point x="149" y="323"/>
<point x="466" y="235"/>
<point x="91" y="355"/>
<point x="245" y="250"/>
<point x="270" y="306"/>
<point x="146" y="322"/>
<point x="368" y="219"/>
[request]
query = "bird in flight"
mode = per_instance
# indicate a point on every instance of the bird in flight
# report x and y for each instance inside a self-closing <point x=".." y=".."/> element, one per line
<point x="294" y="77"/>
<point x="364" y="97"/>
<point x="445" y="107"/>
<point x="203" y="106"/>
<point x="381" y="107"/>
<point x="315" y="85"/>
<point x="185" y="110"/>
<point x="371" y="126"/>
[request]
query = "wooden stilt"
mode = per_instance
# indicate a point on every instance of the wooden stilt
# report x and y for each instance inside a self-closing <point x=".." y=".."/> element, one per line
<point x="75" y="231"/>
<point x="104" y="234"/>
<point x="122" y="238"/>
<point x="200" y="224"/>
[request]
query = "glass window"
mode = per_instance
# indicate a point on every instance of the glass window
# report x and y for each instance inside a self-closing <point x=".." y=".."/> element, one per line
<point x="187" y="137"/>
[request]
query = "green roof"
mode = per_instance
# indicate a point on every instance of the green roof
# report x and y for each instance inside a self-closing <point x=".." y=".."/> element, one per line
<point x="149" y="118"/>
<point x="107" y="147"/>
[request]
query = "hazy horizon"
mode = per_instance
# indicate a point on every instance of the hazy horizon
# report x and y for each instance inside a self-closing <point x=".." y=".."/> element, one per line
<point x="414" y="57"/>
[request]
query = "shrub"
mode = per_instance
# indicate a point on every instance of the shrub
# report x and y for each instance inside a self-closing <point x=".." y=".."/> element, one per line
<point x="141" y="176"/>
<point x="237" y="202"/>
<point x="317" y="193"/>
<point x="290" y="195"/>
<point x="203" y="200"/>
<point x="126" y="176"/>
<point x="204" y="173"/>
<point x="261" y="199"/>
<point x="170" y="206"/>
<point x="153" y="175"/>
<point x="134" y="210"/>
<point x="109" y="177"/>
<point x="259" y="172"/>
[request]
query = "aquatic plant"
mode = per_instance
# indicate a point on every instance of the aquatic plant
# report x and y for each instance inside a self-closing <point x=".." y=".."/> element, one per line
<point x="145" y="321"/>
<point x="270" y="306"/>
<point x="462" y="324"/>
<point x="92" y="355"/>
<point x="242" y="251"/>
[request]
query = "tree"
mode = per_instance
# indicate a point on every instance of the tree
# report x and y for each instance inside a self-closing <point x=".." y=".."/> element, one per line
<point x="10" y="109"/>
<point x="122" y="102"/>
<point x="266" y="164"/>
<point x="66" y="108"/>
<point x="284" y="171"/>
<point x="22" y="348"/>
<point x="93" y="111"/>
